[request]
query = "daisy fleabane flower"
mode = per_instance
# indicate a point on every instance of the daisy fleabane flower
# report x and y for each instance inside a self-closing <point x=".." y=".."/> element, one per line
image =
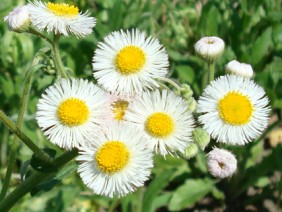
<point x="18" y="20"/>
<point x="221" y="163"/>
<point x="115" y="161"/>
<point x="209" y="48"/>
<point x="165" y="120"/>
<point x="239" y="69"/>
<point x="129" y="62"/>
<point x="233" y="110"/>
<point x="60" y="18"/>
<point x="70" y="109"/>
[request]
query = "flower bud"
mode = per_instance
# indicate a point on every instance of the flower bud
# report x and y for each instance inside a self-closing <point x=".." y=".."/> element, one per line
<point x="18" y="20"/>
<point x="192" y="104"/>
<point x="201" y="137"/>
<point x="239" y="69"/>
<point x="190" y="152"/>
<point x="221" y="163"/>
<point x="209" y="48"/>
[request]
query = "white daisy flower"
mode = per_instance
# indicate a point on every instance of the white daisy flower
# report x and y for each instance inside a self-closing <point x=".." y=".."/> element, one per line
<point x="116" y="161"/>
<point x="70" y="109"/>
<point x="165" y="120"/>
<point x="221" y="163"/>
<point x="209" y="48"/>
<point x="239" y="69"/>
<point x="128" y="62"/>
<point x="61" y="18"/>
<point x="234" y="110"/>
<point x="18" y="20"/>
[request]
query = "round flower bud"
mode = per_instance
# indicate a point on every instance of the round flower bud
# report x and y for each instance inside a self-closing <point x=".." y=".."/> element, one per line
<point x="239" y="69"/>
<point x="209" y="48"/>
<point x="221" y="163"/>
<point x="192" y="104"/>
<point x="201" y="137"/>
<point x="18" y="20"/>
<point x="190" y="152"/>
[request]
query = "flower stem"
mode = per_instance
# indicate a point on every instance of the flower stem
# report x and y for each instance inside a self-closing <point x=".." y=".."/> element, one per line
<point x="15" y="144"/>
<point x="39" y="34"/>
<point x="57" y="58"/>
<point x="170" y="82"/>
<point x="211" y="65"/>
<point x="33" y="181"/>
<point x="39" y="153"/>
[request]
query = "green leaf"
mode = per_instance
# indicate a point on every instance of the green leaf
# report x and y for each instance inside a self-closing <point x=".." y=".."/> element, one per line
<point x="116" y="15"/>
<point x="189" y="193"/>
<point x="185" y="73"/>
<point x="7" y="86"/>
<point x="261" y="46"/>
<point x="155" y="187"/>
<point x="262" y="182"/>
<point x="217" y="193"/>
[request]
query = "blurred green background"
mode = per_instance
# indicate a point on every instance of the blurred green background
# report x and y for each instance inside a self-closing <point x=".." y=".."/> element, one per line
<point x="252" y="31"/>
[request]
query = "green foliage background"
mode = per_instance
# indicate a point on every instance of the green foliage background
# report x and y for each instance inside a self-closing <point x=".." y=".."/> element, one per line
<point x="252" y="31"/>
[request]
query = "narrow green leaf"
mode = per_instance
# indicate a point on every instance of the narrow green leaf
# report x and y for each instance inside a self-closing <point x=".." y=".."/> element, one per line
<point x="185" y="73"/>
<point x="189" y="193"/>
<point x="261" y="46"/>
<point x="155" y="187"/>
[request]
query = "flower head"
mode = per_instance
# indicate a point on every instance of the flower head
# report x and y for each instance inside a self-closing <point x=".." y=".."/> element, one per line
<point x="233" y="109"/>
<point x="61" y="18"/>
<point x="209" y="48"/>
<point x="70" y="109"/>
<point x="18" y="20"/>
<point x="128" y="62"/>
<point x="221" y="163"/>
<point x="239" y="69"/>
<point x="116" y="161"/>
<point x="164" y="119"/>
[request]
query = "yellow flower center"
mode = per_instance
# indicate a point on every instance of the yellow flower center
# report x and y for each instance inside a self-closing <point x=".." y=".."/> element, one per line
<point x="130" y="60"/>
<point x="62" y="9"/>
<point x="73" y="112"/>
<point x="235" y="108"/>
<point x="119" y="109"/>
<point x="159" y="125"/>
<point x="112" y="157"/>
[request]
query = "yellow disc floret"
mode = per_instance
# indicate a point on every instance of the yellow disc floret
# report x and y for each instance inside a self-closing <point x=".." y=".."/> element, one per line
<point x="235" y="108"/>
<point x="73" y="112"/>
<point x="159" y="125"/>
<point x="112" y="157"/>
<point x="130" y="60"/>
<point x="119" y="108"/>
<point x="62" y="9"/>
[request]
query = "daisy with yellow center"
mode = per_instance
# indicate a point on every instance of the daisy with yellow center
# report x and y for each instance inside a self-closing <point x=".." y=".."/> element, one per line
<point x="60" y="18"/>
<point x="115" y="161"/>
<point x="234" y="110"/>
<point x="128" y="62"/>
<point x="70" y="109"/>
<point x="165" y="120"/>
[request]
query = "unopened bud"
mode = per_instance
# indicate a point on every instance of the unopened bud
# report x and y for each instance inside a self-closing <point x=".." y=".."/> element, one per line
<point x="190" y="152"/>
<point x="201" y="137"/>
<point x="18" y="19"/>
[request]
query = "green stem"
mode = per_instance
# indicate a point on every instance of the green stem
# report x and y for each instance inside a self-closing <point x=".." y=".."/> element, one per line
<point x="39" y="153"/>
<point x="57" y="58"/>
<point x="170" y="82"/>
<point x="33" y="181"/>
<point x="39" y="34"/>
<point x="15" y="144"/>
<point x="211" y="65"/>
